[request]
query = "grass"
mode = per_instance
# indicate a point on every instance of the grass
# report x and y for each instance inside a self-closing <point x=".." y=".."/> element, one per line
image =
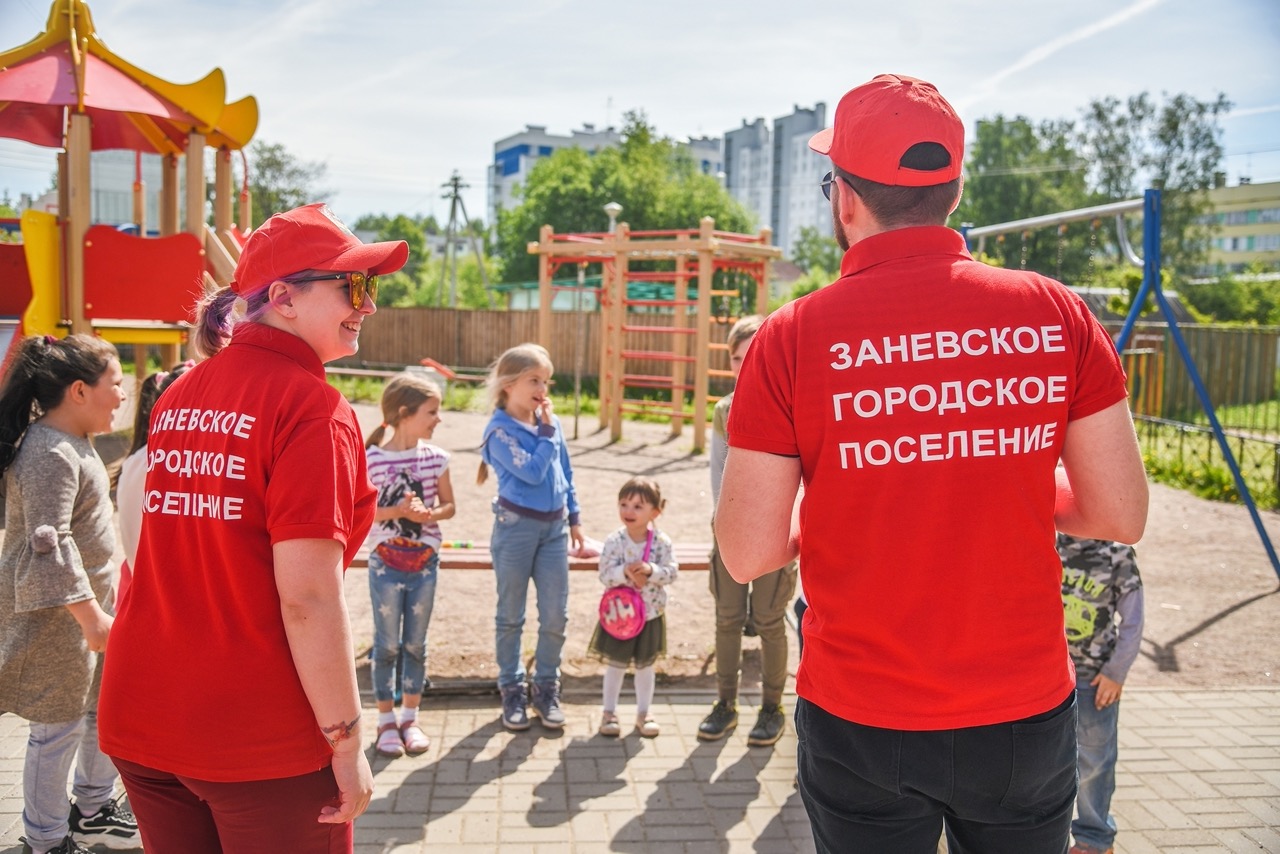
<point x="1262" y="418"/>
<point x="1190" y="458"/>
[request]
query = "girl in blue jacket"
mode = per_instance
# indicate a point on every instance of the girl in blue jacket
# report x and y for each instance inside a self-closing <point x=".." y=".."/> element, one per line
<point x="525" y="445"/>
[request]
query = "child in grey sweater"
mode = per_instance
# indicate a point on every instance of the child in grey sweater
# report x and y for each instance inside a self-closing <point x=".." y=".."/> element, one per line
<point x="56" y="585"/>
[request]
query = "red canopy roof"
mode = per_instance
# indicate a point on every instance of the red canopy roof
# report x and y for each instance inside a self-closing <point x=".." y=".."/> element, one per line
<point x="125" y="113"/>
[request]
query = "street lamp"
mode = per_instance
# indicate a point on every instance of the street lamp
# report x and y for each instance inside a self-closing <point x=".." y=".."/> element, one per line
<point x="612" y="210"/>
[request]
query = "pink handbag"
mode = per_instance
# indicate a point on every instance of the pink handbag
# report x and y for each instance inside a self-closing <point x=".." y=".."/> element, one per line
<point x="622" y="607"/>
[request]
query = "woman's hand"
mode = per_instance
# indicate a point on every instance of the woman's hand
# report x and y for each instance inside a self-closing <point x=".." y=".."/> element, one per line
<point x="576" y="540"/>
<point x="355" y="785"/>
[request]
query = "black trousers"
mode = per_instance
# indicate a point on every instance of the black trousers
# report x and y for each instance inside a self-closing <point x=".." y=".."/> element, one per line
<point x="1002" y="789"/>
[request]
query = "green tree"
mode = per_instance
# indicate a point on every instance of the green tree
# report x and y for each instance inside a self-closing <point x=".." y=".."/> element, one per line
<point x="401" y="227"/>
<point x="1175" y="146"/>
<point x="1019" y="169"/>
<point x="372" y="222"/>
<point x="279" y="181"/>
<point x="812" y="251"/>
<point x="1251" y="297"/>
<point x="658" y="186"/>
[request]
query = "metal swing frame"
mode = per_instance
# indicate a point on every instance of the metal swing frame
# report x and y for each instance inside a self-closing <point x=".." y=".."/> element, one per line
<point x="1151" y="207"/>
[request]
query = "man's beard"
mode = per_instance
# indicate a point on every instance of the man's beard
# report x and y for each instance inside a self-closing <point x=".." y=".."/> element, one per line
<point x="842" y="239"/>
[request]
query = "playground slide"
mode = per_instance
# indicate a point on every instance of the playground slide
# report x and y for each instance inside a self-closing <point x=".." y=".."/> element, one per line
<point x="40" y="245"/>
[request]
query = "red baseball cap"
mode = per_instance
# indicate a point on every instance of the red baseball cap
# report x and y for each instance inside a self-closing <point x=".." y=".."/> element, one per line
<point x="877" y="122"/>
<point x="310" y="238"/>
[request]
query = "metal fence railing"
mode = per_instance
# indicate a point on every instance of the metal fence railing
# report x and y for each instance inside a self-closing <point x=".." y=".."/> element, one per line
<point x="1189" y="455"/>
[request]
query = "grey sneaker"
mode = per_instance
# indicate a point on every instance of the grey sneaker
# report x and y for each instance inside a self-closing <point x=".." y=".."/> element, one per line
<point x="515" y="715"/>
<point x="113" y="827"/>
<point x="546" y="702"/>
<point x="769" y="726"/>
<point x="716" y="725"/>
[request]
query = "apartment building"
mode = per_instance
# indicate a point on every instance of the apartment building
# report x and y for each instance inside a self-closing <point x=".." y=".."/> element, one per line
<point x="514" y="158"/>
<point x="1248" y="220"/>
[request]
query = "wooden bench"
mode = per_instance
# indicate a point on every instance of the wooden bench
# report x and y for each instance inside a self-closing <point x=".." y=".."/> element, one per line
<point x="475" y="555"/>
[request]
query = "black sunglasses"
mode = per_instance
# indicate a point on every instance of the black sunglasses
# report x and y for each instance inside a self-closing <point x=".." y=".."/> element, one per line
<point x="829" y="179"/>
<point x="358" y="283"/>
<point x="826" y="182"/>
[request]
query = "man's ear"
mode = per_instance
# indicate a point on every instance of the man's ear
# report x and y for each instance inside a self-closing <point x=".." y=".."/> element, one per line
<point x="846" y="201"/>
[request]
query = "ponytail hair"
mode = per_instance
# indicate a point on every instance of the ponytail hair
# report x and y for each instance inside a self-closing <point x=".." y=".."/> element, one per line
<point x="505" y="370"/>
<point x="216" y="316"/>
<point x="42" y="371"/>
<point x="401" y="397"/>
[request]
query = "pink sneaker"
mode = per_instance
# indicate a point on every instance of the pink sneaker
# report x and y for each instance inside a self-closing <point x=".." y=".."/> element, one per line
<point x="415" y="740"/>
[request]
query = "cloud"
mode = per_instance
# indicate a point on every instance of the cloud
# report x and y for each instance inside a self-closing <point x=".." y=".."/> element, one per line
<point x="1254" y="111"/>
<point x="1036" y="55"/>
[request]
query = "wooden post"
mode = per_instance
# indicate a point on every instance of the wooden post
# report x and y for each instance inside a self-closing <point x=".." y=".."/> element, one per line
<point x="702" y="343"/>
<point x="222" y="193"/>
<point x="139" y="196"/>
<point x="77" y="213"/>
<point x="679" y="344"/>
<point x="606" y="332"/>
<point x="195" y="186"/>
<point x="545" y="294"/>
<point x="617" y="364"/>
<point x="140" y="370"/>
<point x="169" y="217"/>
<point x="170" y="355"/>
<point x="246" y="211"/>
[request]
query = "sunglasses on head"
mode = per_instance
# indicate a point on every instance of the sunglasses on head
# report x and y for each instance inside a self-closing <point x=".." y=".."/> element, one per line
<point x="358" y="283"/>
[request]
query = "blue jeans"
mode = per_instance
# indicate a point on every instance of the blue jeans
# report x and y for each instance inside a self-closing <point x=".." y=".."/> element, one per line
<point x="51" y="748"/>
<point x="1097" y="735"/>
<point x="1005" y="788"/>
<point x="402" y="605"/>
<point x="527" y="549"/>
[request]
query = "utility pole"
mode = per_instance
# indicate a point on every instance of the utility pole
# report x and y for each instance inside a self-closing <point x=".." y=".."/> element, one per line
<point x="450" y="266"/>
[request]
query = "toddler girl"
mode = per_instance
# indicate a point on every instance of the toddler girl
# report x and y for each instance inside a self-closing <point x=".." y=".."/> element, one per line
<point x="414" y="493"/>
<point x="535" y="503"/>
<point x="639" y="555"/>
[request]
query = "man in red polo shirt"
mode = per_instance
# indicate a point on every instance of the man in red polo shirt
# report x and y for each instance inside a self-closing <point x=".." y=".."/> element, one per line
<point x="924" y="400"/>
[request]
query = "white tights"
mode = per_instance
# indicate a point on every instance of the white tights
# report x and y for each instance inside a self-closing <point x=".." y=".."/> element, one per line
<point x="646" y="678"/>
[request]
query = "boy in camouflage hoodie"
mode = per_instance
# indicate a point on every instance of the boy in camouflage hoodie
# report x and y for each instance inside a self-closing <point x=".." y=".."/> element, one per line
<point x="1102" y="598"/>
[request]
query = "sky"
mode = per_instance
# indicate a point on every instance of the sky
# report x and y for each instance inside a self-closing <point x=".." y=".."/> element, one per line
<point x="393" y="96"/>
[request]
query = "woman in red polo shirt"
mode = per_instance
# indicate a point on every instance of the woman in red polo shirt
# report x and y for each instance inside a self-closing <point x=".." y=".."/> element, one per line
<point x="229" y="702"/>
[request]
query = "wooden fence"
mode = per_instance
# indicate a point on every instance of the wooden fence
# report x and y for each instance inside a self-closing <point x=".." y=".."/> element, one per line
<point x="1238" y="364"/>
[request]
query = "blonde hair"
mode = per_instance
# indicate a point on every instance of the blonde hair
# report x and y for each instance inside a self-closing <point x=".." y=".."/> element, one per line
<point x="401" y="397"/>
<point x="508" y="368"/>
<point x="744" y="330"/>
<point x="505" y="370"/>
